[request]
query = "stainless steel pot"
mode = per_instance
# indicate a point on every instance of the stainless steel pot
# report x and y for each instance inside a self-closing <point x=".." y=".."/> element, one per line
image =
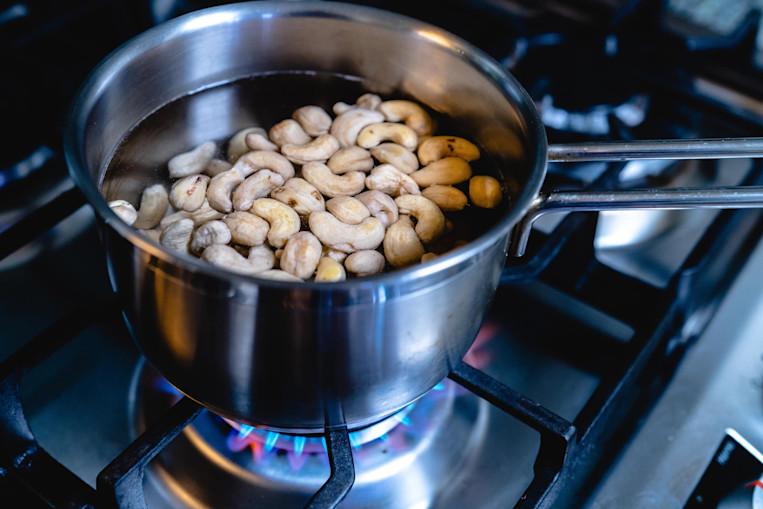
<point x="300" y="357"/>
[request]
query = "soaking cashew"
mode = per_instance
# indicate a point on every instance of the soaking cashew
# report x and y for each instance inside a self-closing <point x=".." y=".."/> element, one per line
<point x="257" y="141"/>
<point x="438" y="147"/>
<point x="204" y="214"/>
<point x="329" y="271"/>
<point x="428" y="257"/>
<point x="347" y="125"/>
<point x="388" y="179"/>
<point x="373" y="134"/>
<point x="430" y="220"/>
<point x="350" y="159"/>
<point x="369" y="101"/>
<point x="237" y="146"/>
<point x="264" y="159"/>
<point x="401" y="244"/>
<point x="189" y="192"/>
<point x="329" y="184"/>
<point x="301" y="255"/>
<point x="380" y="205"/>
<point x="221" y="186"/>
<point x="320" y="149"/>
<point x="396" y="155"/>
<point x="216" y="167"/>
<point x="177" y="235"/>
<point x="346" y="237"/>
<point x="192" y="162"/>
<point x="283" y="220"/>
<point x="288" y="132"/>
<point x="347" y="209"/>
<point x="485" y="191"/>
<point x="213" y="232"/>
<point x="246" y="228"/>
<point x="411" y="113"/>
<point x="445" y="171"/>
<point x="448" y="198"/>
<point x="278" y="275"/>
<point x="124" y="210"/>
<point x="334" y="254"/>
<point x="153" y="205"/>
<point x="313" y="119"/>
<point x="259" y="260"/>
<point x="365" y="263"/>
<point x="254" y="187"/>
<point x="300" y="195"/>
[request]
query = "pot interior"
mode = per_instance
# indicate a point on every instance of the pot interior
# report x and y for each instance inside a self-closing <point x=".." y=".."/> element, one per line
<point x="300" y="54"/>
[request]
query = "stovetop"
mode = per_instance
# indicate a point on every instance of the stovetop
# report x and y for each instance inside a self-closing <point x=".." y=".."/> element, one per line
<point x="602" y="376"/>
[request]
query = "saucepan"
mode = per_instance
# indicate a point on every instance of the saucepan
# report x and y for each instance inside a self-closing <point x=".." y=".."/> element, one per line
<point x="303" y="357"/>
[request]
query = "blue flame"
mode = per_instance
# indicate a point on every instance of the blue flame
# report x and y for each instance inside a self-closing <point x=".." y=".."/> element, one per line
<point x="270" y="440"/>
<point x="299" y="445"/>
<point x="245" y="431"/>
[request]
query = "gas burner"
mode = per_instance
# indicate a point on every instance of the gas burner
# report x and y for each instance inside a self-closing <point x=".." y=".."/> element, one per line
<point x="218" y="462"/>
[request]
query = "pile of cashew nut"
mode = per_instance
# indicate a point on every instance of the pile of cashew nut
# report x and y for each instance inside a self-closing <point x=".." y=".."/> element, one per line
<point x="316" y="197"/>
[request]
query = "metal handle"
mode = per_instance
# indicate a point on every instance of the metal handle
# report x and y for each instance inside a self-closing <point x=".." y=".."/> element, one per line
<point x="716" y="148"/>
<point x="668" y="199"/>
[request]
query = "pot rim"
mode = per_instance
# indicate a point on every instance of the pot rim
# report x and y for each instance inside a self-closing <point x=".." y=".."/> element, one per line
<point x="100" y="77"/>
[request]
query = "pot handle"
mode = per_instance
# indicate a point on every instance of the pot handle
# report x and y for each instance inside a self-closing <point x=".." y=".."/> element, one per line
<point x="713" y="148"/>
<point x="666" y="199"/>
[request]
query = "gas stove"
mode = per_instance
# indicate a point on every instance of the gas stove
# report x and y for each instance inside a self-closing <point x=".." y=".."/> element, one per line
<point x="619" y="365"/>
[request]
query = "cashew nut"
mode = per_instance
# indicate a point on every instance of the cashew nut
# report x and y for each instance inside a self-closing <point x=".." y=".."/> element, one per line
<point x="369" y="101"/>
<point x="278" y="275"/>
<point x="192" y="162"/>
<point x="414" y="115"/>
<point x="448" y="198"/>
<point x="153" y="205"/>
<point x="372" y="135"/>
<point x="347" y="125"/>
<point x="396" y="155"/>
<point x="351" y="159"/>
<point x="189" y="192"/>
<point x="365" y="263"/>
<point x="334" y="254"/>
<point x="346" y="237"/>
<point x="246" y="228"/>
<point x="380" y="205"/>
<point x="237" y="146"/>
<point x="340" y="107"/>
<point x="401" y="244"/>
<point x="265" y="159"/>
<point x="329" y="184"/>
<point x="485" y="191"/>
<point x="204" y="214"/>
<point x="388" y="179"/>
<point x="255" y="186"/>
<point x="437" y="147"/>
<point x="221" y="186"/>
<point x="216" y="167"/>
<point x="284" y="220"/>
<point x="301" y="255"/>
<point x="313" y="119"/>
<point x="445" y="171"/>
<point x="257" y="141"/>
<point x="428" y="257"/>
<point x="288" y="132"/>
<point x="213" y="232"/>
<point x="320" y="149"/>
<point x="347" y="209"/>
<point x="329" y="271"/>
<point x="260" y="259"/>
<point x="177" y="235"/>
<point x="300" y="195"/>
<point x="124" y="210"/>
<point x="155" y="234"/>
<point x="430" y="220"/>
